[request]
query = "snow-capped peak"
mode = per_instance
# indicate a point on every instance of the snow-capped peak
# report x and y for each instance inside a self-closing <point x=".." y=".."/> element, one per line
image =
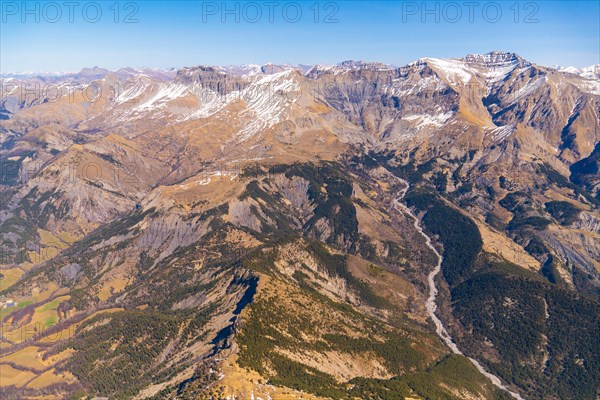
<point x="494" y="59"/>
<point x="591" y="72"/>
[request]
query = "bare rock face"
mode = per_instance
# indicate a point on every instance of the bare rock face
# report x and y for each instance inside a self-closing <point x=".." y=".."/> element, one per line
<point x="496" y="60"/>
<point x="296" y="190"/>
<point x="70" y="271"/>
<point x="241" y="214"/>
<point x="585" y="171"/>
<point x="210" y="78"/>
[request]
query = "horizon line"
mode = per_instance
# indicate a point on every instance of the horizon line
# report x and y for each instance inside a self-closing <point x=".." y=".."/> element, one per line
<point x="311" y="65"/>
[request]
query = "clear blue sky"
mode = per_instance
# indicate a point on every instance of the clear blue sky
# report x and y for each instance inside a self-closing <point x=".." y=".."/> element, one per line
<point x="176" y="34"/>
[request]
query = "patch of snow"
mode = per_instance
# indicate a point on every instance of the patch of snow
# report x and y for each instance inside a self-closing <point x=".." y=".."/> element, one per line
<point x="405" y="87"/>
<point x="423" y="120"/>
<point x="500" y="133"/>
<point x="589" y="86"/>
<point x="497" y="74"/>
<point x="454" y="71"/>
<point x="266" y="102"/>
<point x="526" y="90"/>
<point x="132" y="89"/>
<point x="166" y="93"/>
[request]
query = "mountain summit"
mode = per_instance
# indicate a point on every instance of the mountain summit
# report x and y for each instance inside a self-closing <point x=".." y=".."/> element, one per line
<point x="495" y="59"/>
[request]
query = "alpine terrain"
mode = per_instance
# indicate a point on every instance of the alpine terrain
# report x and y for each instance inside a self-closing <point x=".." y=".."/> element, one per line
<point x="357" y="231"/>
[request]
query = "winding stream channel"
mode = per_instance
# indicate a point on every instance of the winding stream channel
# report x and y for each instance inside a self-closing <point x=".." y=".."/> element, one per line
<point x="433" y="292"/>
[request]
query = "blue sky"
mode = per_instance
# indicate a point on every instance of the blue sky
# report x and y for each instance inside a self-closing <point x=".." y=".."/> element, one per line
<point x="50" y="36"/>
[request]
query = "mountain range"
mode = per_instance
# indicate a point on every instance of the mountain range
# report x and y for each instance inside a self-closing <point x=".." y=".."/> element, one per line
<point x="358" y="231"/>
